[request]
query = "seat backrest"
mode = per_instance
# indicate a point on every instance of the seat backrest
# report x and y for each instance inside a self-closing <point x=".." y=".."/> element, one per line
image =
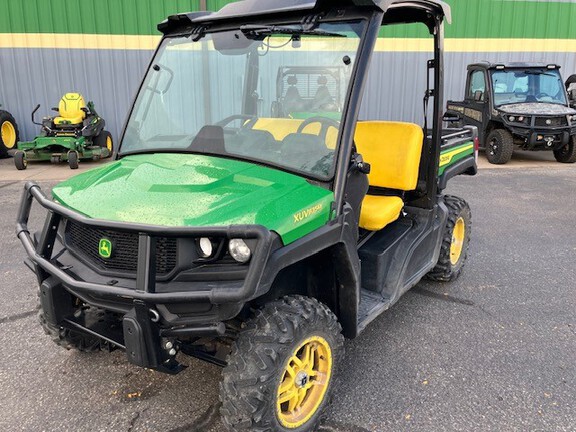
<point x="71" y="106"/>
<point x="393" y="150"/>
<point x="322" y="96"/>
<point x="293" y="101"/>
<point x="280" y="128"/>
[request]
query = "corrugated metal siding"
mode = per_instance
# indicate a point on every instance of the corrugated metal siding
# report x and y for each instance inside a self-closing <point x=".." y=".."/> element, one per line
<point x="109" y="73"/>
<point x="41" y="76"/>
<point x="132" y="17"/>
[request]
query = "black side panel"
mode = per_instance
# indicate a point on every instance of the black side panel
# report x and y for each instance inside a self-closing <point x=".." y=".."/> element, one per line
<point x="378" y="254"/>
<point x="396" y="258"/>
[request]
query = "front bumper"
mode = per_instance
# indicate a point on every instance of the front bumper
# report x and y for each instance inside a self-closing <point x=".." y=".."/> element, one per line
<point x="143" y="304"/>
<point x="543" y="139"/>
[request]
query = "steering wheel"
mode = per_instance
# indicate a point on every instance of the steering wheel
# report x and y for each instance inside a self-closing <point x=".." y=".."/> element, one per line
<point x="325" y="124"/>
<point x="542" y="94"/>
<point x="225" y="122"/>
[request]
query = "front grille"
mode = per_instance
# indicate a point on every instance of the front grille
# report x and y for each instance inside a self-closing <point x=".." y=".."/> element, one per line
<point x="84" y="241"/>
<point x="553" y="121"/>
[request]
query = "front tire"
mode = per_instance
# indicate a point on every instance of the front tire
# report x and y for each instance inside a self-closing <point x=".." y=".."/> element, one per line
<point x="66" y="338"/>
<point x="454" y="249"/>
<point x="499" y="147"/>
<point x="20" y="161"/>
<point x="73" y="159"/>
<point x="567" y="154"/>
<point x="282" y="368"/>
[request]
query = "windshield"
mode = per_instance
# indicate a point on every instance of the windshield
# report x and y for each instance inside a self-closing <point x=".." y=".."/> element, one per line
<point x="269" y="94"/>
<point x="518" y="86"/>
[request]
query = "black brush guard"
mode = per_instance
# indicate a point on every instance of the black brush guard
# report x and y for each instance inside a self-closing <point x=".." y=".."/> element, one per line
<point x="141" y="328"/>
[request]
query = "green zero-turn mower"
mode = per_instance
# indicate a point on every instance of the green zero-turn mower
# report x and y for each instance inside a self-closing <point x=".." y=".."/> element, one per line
<point x="9" y="133"/>
<point x="76" y="133"/>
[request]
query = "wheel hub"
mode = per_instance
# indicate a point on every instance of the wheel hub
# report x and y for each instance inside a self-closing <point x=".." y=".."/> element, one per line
<point x="493" y="147"/>
<point x="458" y="236"/>
<point x="8" y="133"/>
<point x="301" y="379"/>
<point x="304" y="382"/>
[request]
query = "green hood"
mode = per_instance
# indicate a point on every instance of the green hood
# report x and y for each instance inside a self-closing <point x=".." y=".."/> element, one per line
<point x="192" y="190"/>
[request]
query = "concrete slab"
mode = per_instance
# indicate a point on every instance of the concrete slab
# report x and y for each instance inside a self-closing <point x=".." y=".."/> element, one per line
<point x="43" y="171"/>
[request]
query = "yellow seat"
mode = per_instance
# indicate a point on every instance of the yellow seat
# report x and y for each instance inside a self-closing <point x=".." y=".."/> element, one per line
<point x="70" y="109"/>
<point x="280" y="128"/>
<point x="393" y="150"/>
<point x="379" y="211"/>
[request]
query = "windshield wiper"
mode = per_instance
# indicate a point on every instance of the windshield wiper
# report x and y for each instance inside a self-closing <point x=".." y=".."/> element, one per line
<point x="256" y="30"/>
<point x="533" y="72"/>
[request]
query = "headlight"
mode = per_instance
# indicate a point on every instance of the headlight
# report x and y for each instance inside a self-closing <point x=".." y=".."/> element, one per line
<point x="574" y="118"/>
<point x="239" y="250"/>
<point x="512" y="118"/>
<point x="520" y="119"/>
<point x="205" y="247"/>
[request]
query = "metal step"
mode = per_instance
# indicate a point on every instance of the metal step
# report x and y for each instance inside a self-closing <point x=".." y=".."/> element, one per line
<point x="371" y="306"/>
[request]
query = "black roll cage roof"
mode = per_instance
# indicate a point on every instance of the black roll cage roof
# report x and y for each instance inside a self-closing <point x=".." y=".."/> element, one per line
<point x="267" y="8"/>
<point x="513" y="65"/>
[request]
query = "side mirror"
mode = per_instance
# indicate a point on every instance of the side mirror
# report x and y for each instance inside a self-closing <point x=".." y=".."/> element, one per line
<point x="571" y="80"/>
<point x="450" y="117"/>
<point x="478" y="95"/>
<point x="572" y="96"/>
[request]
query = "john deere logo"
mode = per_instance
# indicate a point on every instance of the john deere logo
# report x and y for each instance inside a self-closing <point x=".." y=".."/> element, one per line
<point x="105" y="248"/>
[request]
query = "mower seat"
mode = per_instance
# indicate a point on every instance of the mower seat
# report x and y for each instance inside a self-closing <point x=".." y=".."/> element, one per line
<point x="70" y="109"/>
<point x="393" y="150"/>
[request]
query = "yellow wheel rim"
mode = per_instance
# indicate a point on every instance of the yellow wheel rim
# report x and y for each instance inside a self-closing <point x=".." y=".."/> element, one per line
<point x="8" y="134"/>
<point x="458" y="235"/>
<point x="109" y="144"/>
<point x="304" y="382"/>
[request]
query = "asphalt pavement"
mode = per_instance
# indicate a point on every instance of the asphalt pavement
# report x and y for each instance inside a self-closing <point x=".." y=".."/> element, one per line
<point x="493" y="351"/>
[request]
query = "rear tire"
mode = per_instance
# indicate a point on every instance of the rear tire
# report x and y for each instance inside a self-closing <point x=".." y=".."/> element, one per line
<point x="499" y="147"/>
<point x="454" y="250"/>
<point x="282" y="368"/>
<point x="20" y="161"/>
<point x="104" y="141"/>
<point x="567" y="154"/>
<point x="9" y="134"/>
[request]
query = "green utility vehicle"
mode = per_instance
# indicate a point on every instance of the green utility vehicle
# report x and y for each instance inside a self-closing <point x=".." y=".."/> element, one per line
<point x="76" y="133"/>
<point x="517" y="105"/>
<point x="8" y="133"/>
<point x="250" y="240"/>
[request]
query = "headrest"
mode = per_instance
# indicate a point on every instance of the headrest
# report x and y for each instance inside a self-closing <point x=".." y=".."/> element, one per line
<point x="322" y="80"/>
<point x="72" y="97"/>
<point x="210" y="139"/>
